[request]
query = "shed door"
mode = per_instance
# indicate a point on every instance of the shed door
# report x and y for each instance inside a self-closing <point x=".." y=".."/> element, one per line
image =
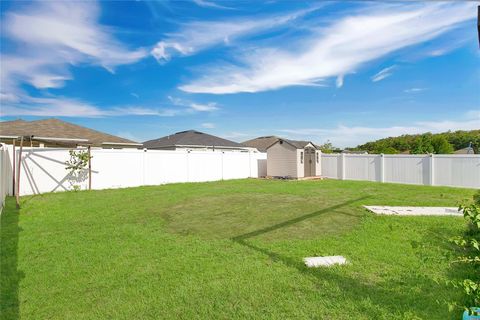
<point x="309" y="163"/>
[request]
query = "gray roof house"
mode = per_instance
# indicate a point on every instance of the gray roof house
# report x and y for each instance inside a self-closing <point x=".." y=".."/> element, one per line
<point x="193" y="140"/>
<point x="467" y="150"/>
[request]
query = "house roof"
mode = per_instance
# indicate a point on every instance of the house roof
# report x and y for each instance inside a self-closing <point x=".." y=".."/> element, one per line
<point x="55" y="128"/>
<point x="191" y="138"/>
<point x="467" y="150"/>
<point x="261" y="143"/>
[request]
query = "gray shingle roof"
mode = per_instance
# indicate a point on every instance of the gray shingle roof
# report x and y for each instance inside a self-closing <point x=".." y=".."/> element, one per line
<point x="55" y="128"/>
<point x="191" y="138"/>
<point x="467" y="150"/>
<point x="261" y="143"/>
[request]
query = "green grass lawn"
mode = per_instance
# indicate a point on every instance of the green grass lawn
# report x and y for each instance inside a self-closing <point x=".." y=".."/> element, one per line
<point x="228" y="250"/>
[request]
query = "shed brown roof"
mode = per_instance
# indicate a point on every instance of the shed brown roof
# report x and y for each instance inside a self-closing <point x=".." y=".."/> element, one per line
<point x="55" y="128"/>
<point x="261" y="143"/>
<point x="300" y="144"/>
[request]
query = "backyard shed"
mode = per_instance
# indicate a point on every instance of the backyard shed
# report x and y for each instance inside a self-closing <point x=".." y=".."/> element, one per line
<point x="293" y="159"/>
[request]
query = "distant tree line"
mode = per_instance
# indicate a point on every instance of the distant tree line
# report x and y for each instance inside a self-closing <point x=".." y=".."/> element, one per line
<point x="440" y="143"/>
<point x="328" y="147"/>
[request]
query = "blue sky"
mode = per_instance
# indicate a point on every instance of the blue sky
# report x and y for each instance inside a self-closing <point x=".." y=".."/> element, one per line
<point x="345" y="72"/>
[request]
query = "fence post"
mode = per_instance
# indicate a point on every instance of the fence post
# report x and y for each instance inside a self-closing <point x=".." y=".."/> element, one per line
<point x="221" y="155"/>
<point x="89" y="169"/>
<point x="14" y="170"/>
<point x="319" y="163"/>
<point x="432" y="170"/>
<point x="188" y="169"/>
<point x="144" y="167"/>
<point x="17" y="193"/>
<point x="342" y="165"/>
<point x="250" y="163"/>
<point x="382" y="167"/>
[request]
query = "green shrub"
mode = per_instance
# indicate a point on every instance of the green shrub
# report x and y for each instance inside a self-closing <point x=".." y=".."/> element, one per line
<point x="469" y="245"/>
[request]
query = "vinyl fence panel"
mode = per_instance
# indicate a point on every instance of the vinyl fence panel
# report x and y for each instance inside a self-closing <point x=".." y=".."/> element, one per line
<point x="5" y="174"/>
<point x="438" y="170"/>
<point x="162" y="167"/>
<point x="457" y="171"/>
<point x="204" y="166"/>
<point x="408" y="169"/>
<point x="116" y="168"/>
<point x="43" y="169"/>
<point x="362" y="167"/>
<point x="236" y="165"/>
<point x="330" y="165"/>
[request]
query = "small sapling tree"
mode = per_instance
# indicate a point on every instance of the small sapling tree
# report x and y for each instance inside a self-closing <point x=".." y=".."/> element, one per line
<point x="76" y="166"/>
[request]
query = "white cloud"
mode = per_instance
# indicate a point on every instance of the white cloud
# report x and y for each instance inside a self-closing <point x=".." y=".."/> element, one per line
<point x="33" y="106"/>
<point x="193" y="106"/>
<point x="51" y="36"/>
<point x="350" y="136"/>
<point x="200" y="35"/>
<point x="204" y="107"/>
<point x="339" y="81"/>
<point x="208" y="125"/>
<point x="235" y="135"/>
<point x="414" y="90"/>
<point x="128" y="135"/>
<point x="71" y="28"/>
<point x="65" y="107"/>
<point x="382" y="74"/>
<point x="140" y="111"/>
<point x="8" y="97"/>
<point x="338" y="49"/>
<point x="209" y="4"/>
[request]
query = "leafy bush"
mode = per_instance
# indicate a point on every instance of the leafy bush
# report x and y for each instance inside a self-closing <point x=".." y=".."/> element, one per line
<point x="469" y="244"/>
<point x="441" y="145"/>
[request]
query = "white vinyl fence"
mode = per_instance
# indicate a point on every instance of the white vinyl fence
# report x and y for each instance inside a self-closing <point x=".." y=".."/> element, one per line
<point x="435" y="170"/>
<point x="43" y="169"/>
<point x="5" y="174"/>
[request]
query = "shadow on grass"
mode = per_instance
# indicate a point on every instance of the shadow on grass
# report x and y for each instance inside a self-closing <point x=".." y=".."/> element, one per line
<point x="388" y="298"/>
<point x="10" y="276"/>
<point x="294" y="220"/>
